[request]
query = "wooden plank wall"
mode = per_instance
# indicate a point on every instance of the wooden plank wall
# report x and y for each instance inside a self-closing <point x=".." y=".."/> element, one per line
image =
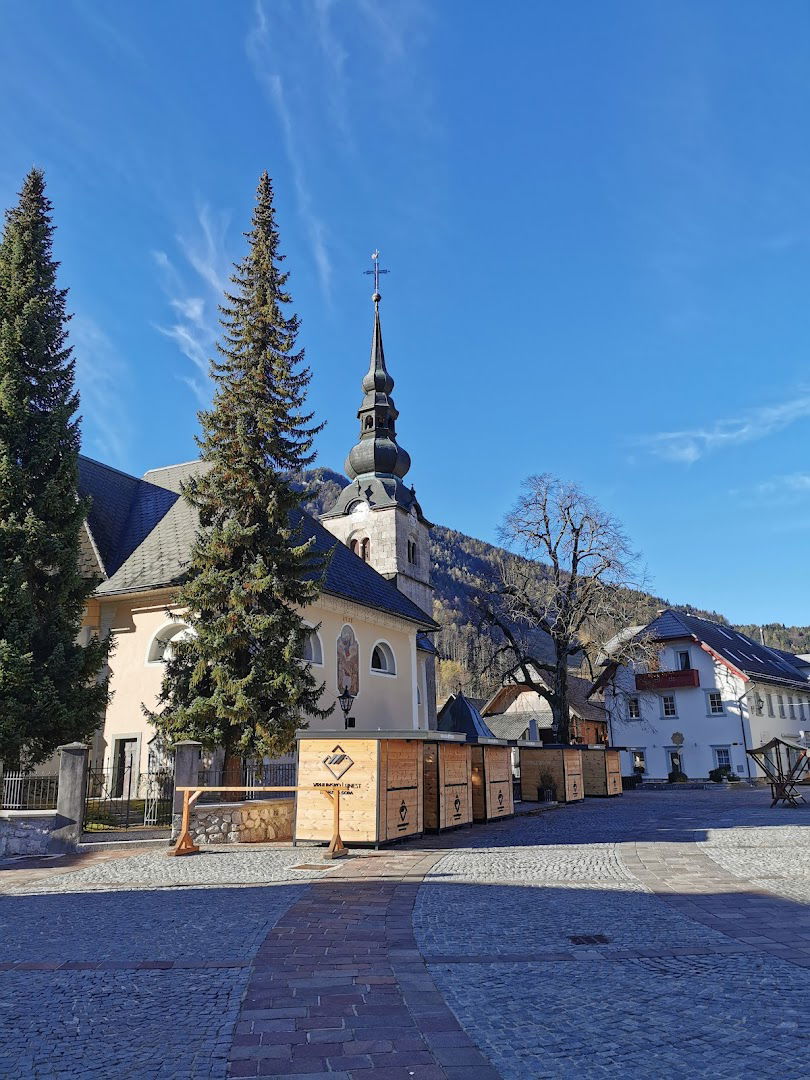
<point x="601" y="772"/>
<point x="455" y="800"/>
<point x="563" y="765"/>
<point x="401" y="780"/>
<point x="574" y="787"/>
<point x="431" y="786"/>
<point x="477" y="778"/>
<point x="358" y="809"/>
<point x="498" y="772"/>
<point x="614" y="772"/>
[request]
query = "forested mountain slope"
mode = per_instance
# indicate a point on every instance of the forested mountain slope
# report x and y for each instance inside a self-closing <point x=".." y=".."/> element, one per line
<point x="464" y="567"/>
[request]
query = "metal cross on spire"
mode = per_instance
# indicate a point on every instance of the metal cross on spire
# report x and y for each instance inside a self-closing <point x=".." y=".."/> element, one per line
<point x="376" y="271"/>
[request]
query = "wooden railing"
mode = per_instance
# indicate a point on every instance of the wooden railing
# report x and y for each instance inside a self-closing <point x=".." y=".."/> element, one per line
<point x="186" y="846"/>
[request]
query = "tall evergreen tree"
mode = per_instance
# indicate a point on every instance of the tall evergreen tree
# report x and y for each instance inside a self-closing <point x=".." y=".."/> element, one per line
<point x="50" y="686"/>
<point x="236" y="681"/>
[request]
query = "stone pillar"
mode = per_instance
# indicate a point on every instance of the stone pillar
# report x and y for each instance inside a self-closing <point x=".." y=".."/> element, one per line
<point x="70" y="798"/>
<point x="186" y="769"/>
<point x="187" y="756"/>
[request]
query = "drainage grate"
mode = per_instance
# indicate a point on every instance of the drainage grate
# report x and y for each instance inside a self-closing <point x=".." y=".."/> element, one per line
<point x="311" y="866"/>
<point x="589" y="939"/>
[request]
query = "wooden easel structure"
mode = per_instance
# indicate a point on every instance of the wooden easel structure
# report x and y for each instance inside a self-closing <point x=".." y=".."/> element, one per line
<point x="186" y="846"/>
<point x="774" y="758"/>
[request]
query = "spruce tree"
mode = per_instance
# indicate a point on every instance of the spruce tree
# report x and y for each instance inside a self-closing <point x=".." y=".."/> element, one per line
<point x="50" y="686"/>
<point x="236" y="681"/>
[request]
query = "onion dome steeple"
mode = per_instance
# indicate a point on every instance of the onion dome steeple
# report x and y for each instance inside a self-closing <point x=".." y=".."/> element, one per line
<point x="377" y="463"/>
<point x="377" y="453"/>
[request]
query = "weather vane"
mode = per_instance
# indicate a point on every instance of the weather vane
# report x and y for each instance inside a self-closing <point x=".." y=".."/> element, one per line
<point x="376" y="271"/>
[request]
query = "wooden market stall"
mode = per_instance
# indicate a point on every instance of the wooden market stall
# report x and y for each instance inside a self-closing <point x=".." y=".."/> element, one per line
<point x="491" y="769"/>
<point x="381" y="777"/>
<point x="561" y="765"/>
<point x="490" y="759"/>
<point x="447" y="783"/>
<point x="601" y="770"/>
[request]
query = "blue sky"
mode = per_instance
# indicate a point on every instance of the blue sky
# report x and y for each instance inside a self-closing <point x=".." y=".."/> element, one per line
<point x="596" y="218"/>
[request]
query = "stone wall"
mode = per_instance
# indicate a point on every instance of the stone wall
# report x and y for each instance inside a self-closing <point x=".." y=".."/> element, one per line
<point x="253" y="822"/>
<point x="26" y="832"/>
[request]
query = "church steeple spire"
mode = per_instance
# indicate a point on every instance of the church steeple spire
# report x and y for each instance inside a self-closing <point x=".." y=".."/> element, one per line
<point x="377" y="453"/>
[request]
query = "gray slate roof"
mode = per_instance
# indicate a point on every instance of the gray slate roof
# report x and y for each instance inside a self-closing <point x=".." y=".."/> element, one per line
<point x="515" y="725"/>
<point x="749" y="656"/>
<point x="144" y="530"/>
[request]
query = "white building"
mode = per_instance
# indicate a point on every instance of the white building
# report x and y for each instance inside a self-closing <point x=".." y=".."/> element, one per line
<point x="715" y="694"/>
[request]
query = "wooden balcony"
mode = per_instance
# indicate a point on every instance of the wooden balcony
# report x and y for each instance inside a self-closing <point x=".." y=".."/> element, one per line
<point x="668" y="680"/>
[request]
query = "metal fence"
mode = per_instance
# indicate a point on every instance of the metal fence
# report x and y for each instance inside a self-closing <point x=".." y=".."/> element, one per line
<point x="123" y="798"/>
<point x="246" y="774"/>
<point x="21" y="791"/>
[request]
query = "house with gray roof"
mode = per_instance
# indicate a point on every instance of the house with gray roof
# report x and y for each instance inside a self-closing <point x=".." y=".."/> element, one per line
<point x="712" y="693"/>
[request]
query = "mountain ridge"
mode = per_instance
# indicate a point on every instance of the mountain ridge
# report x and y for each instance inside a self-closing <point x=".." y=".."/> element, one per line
<point x="463" y="566"/>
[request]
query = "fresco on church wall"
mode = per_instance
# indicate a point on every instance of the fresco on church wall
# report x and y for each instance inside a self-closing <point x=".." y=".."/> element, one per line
<point x="348" y="662"/>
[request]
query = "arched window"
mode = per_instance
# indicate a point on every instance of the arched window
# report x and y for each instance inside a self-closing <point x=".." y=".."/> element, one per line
<point x="412" y="551"/>
<point x="311" y="649"/>
<point x="160" y="647"/>
<point x="369" y="423"/>
<point x="365" y="549"/>
<point x="382" y="659"/>
<point x="354" y="545"/>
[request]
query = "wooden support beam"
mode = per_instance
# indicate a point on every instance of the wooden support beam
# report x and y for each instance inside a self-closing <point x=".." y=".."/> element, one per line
<point x="186" y="846"/>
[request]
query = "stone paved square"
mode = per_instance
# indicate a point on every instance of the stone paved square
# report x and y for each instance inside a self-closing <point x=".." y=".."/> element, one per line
<point x="446" y="958"/>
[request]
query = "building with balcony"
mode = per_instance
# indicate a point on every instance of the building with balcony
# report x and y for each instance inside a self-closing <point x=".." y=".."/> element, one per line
<point x="713" y="694"/>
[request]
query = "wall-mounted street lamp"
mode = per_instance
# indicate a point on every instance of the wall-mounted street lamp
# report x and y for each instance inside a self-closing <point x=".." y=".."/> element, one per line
<point x="346" y="700"/>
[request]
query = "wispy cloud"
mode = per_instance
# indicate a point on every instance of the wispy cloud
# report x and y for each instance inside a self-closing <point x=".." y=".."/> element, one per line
<point x="194" y="284"/>
<point x="103" y="378"/>
<point x="260" y="51"/>
<point x="690" y="445"/>
<point x="779" y="488"/>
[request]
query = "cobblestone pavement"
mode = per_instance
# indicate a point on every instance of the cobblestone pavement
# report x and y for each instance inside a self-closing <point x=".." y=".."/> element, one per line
<point x="445" y="959"/>
<point x="698" y="951"/>
<point x="133" y="981"/>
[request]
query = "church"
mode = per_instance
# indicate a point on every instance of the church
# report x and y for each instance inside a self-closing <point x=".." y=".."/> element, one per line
<point x="370" y="627"/>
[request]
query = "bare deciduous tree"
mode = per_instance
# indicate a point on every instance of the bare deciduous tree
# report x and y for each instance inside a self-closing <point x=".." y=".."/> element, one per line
<point x="575" y="597"/>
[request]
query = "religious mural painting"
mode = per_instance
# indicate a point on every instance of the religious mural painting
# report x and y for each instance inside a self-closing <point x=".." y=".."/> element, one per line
<point x="348" y="662"/>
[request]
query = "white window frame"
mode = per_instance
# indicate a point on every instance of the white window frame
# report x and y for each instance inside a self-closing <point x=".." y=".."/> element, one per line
<point x="392" y="657"/>
<point x="666" y="715"/>
<point x="769" y="698"/>
<point x="678" y="654"/>
<point x="639" y="752"/>
<point x="634" y="702"/>
<point x="177" y="626"/>
<point x="780" y="701"/>
<point x="710" y="709"/>
<point x="791" y="707"/>
<point x="724" y="750"/>
<point x="313" y="633"/>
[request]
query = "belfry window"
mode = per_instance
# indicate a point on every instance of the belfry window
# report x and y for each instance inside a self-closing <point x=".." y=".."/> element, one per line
<point x="369" y="423"/>
<point x="365" y="549"/>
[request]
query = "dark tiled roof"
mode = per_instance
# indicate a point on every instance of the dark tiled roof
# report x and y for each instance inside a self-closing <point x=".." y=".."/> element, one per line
<point x="747" y="655"/>
<point x="424" y="644"/>
<point x="123" y="510"/>
<point x="153" y="539"/>
<point x="459" y="714"/>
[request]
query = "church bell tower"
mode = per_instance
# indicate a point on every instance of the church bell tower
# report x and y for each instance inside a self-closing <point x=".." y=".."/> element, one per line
<point x="377" y="515"/>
